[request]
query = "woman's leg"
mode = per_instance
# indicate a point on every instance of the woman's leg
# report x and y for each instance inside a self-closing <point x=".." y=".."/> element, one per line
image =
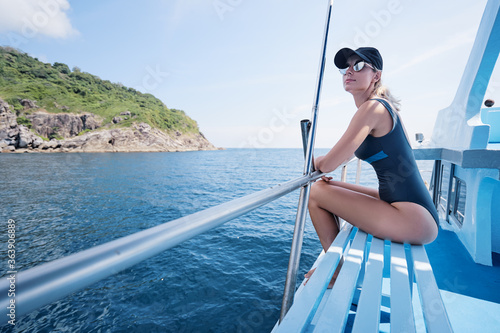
<point x="327" y="225"/>
<point x="400" y="222"/>
<point x="373" y="192"/>
<point x="361" y="206"/>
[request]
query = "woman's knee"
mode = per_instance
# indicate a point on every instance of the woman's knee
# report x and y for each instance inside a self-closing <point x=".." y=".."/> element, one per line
<point x="312" y="196"/>
<point x="316" y="189"/>
<point x="319" y="191"/>
<point x="430" y="233"/>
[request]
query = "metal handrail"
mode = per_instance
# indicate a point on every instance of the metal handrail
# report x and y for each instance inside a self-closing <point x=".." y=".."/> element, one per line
<point x="300" y="219"/>
<point x="49" y="282"/>
<point x="343" y="176"/>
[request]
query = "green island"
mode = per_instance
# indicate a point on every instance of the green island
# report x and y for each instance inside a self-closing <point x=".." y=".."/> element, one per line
<point x="57" y="89"/>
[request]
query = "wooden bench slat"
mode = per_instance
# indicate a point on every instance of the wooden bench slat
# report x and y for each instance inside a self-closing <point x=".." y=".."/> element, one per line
<point x="306" y="302"/>
<point x="368" y="312"/>
<point x="334" y="315"/>
<point x="435" y="317"/>
<point x="402" y="319"/>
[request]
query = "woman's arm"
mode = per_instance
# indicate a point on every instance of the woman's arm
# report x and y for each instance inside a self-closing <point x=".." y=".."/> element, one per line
<point x="364" y="121"/>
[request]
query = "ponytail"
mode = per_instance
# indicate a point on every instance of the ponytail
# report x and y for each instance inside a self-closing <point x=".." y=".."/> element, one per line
<point x="383" y="92"/>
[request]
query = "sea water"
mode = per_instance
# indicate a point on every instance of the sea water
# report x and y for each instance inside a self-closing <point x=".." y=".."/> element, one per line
<point x="230" y="279"/>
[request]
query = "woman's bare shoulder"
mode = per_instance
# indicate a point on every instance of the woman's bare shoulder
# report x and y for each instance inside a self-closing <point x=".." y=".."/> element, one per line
<point x="371" y="107"/>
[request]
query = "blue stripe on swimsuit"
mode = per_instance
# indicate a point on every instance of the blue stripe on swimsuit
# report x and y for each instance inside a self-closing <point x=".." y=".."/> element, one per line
<point x="378" y="156"/>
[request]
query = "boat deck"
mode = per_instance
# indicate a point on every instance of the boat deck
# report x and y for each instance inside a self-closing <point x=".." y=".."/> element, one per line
<point x="471" y="292"/>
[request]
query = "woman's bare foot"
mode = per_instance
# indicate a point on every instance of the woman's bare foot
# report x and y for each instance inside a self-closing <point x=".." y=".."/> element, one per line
<point x="332" y="281"/>
<point x="308" y="275"/>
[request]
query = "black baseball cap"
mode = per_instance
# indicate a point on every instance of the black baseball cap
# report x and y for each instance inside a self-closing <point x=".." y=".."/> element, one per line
<point x="369" y="54"/>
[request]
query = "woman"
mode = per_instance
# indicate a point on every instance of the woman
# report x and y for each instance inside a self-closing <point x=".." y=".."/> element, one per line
<point x="401" y="209"/>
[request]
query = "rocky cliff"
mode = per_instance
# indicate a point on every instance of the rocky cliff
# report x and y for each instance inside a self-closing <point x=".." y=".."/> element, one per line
<point x="40" y="131"/>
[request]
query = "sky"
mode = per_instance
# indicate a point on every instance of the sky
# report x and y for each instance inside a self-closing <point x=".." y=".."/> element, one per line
<point x="246" y="71"/>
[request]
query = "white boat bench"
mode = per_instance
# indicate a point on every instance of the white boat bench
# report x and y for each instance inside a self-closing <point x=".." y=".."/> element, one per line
<point x="407" y="300"/>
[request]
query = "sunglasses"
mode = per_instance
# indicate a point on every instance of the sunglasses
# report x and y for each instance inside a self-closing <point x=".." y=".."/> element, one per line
<point x="357" y="67"/>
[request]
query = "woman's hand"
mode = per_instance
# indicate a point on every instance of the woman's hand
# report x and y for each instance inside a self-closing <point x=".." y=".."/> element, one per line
<point x="326" y="178"/>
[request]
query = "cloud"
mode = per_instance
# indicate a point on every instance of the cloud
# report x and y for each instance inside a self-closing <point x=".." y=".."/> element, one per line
<point x="33" y="18"/>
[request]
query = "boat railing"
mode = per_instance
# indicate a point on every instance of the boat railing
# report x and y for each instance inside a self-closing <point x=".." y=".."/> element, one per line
<point x="343" y="176"/>
<point x="46" y="283"/>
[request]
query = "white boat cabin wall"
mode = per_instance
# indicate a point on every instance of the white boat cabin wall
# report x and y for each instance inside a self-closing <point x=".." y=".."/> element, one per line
<point x="466" y="147"/>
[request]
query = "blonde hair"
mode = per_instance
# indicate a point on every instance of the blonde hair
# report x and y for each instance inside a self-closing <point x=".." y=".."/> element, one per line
<point x="383" y="92"/>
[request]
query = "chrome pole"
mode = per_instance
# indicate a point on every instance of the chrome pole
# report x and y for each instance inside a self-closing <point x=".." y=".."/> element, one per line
<point x="298" y="233"/>
<point x="305" y="126"/>
<point x="358" y="171"/>
<point x="343" y="175"/>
